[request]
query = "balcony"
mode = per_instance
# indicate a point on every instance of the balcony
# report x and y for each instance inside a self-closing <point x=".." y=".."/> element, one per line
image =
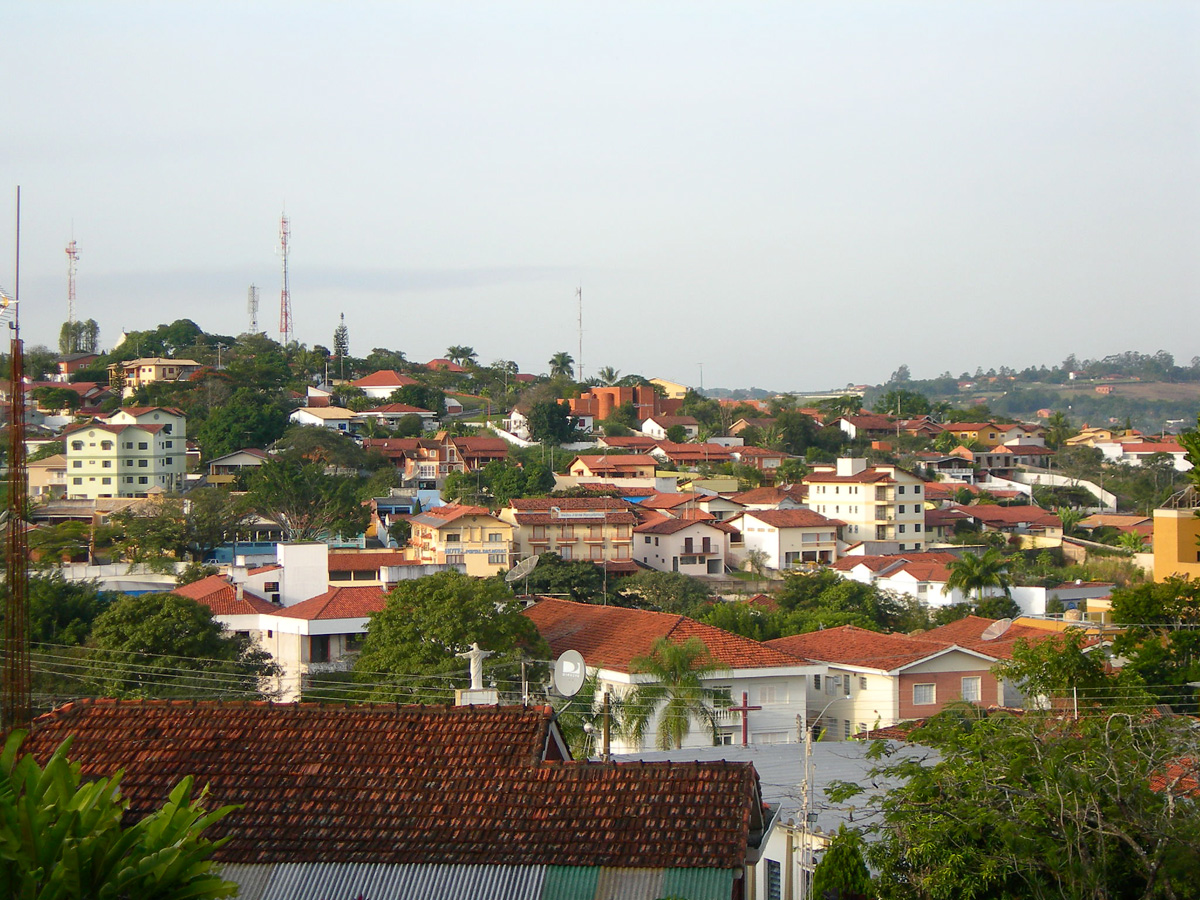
<point x="594" y="539"/>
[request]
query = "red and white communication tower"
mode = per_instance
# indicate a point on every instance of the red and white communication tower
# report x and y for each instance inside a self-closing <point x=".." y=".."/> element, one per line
<point x="285" y="295"/>
<point x="72" y="260"/>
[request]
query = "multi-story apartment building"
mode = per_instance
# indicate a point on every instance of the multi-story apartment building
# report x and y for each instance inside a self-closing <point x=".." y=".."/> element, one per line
<point x="132" y="374"/>
<point x="882" y="506"/>
<point x="467" y="536"/>
<point x="132" y="452"/>
<point x="595" y="528"/>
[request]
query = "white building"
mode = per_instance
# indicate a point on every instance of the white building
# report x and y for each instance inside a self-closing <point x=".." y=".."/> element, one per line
<point x="789" y="537"/>
<point x="129" y="454"/>
<point x="691" y="546"/>
<point x="612" y="638"/>
<point x="335" y="418"/>
<point x="882" y="506"/>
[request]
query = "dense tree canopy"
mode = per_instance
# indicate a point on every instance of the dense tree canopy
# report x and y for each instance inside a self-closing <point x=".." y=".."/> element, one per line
<point x="409" y="654"/>
<point x="305" y="502"/>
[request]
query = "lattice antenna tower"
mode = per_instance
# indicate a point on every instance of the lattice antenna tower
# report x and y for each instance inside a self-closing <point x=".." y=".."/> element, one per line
<point x="72" y="262"/>
<point x="579" y="364"/>
<point x="285" y="295"/>
<point x="252" y="308"/>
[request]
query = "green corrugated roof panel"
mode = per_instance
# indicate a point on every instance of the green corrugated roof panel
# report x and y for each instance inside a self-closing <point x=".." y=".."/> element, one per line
<point x="570" y="882"/>
<point x="698" y="884"/>
<point x="607" y="883"/>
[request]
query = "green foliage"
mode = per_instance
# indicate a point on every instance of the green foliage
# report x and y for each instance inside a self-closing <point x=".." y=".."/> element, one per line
<point x="677" y="434"/>
<point x="421" y="396"/>
<point x="1161" y="641"/>
<point x="1039" y="806"/>
<point x="63" y="838"/>
<point x="250" y="418"/>
<point x="809" y="601"/>
<point x="743" y="619"/>
<point x="671" y="592"/>
<point x="56" y="398"/>
<point x="53" y="543"/>
<point x="997" y="608"/>
<point x="561" y="364"/>
<point x="1057" y="669"/>
<point x="675" y="691"/>
<point x="164" y="645"/>
<point x="314" y="444"/>
<point x="904" y="403"/>
<point x="580" y="580"/>
<point x="842" y="872"/>
<point x="48" y="449"/>
<point x="974" y="573"/>
<point x="256" y="361"/>
<point x="61" y="611"/>
<point x="195" y="571"/>
<point x="305" y="502"/>
<point x="409" y="653"/>
<point x="551" y="422"/>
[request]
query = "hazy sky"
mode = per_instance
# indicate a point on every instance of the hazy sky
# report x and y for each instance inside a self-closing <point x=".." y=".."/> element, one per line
<point x="794" y="195"/>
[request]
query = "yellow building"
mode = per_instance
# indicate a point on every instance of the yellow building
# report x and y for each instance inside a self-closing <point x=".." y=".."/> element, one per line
<point x="595" y="528"/>
<point x="1177" y="536"/>
<point x="468" y="536"/>
<point x="672" y="390"/>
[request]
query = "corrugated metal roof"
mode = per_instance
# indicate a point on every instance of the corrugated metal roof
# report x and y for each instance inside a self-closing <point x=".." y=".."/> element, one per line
<point x="570" y="882"/>
<point x="698" y="884"/>
<point x="346" y="881"/>
<point x="251" y="878"/>
<point x="630" y="884"/>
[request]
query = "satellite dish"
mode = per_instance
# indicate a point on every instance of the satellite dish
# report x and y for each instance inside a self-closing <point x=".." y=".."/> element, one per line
<point x="521" y="569"/>
<point x="569" y="673"/>
<point x="996" y="629"/>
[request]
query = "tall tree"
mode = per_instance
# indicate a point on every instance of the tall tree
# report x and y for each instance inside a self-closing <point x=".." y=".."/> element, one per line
<point x="608" y="375"/>
<point x="411" y="646"/>
<point x="341" y="345"/>
<point x="550" y="421"/>
<point x="561" y="364"/>
<point x="305" y="502"/>
<point x="163" y="645"/>
<point x="461" y="354"/>
<point x="842" y="872"/>
<point x="1040" y="806"/>
<point x="974" y="573"/>
<point x="675" y="691"/>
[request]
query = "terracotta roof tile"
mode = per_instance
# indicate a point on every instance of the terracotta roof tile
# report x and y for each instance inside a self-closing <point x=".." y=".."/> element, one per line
<point x="368" y="561"/>
<point x="221" y="597"/>
<point x="613" y="636"/>
<point x="337" y="603"/>
<point x="791" y="518"/>
<point x="851" y="645"/>
<point x="384" y="378"/>
<point x="466" y="785"/>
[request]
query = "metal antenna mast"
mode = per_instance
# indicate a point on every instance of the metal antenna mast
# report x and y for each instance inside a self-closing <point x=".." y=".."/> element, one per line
<point x="16" y="699"/>
<point x="285" y="296"/>
<point x="72" y="260"/>
<point x="252" y="308"/>
<point x="579" y="364"/>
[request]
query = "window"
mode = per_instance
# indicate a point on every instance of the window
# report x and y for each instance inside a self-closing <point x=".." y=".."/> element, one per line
<point x="924" y="694"/>
<point x="597" y="552"/>
<point x="647" y="539"/>
<point x="167" y="445"/>
<point x="142" y="445"/>
<point x="846" y="730"/>
<point x="917" y="527"/>
<point x="900" y="490"/>
<point x="76" y="481"/>
<point x="833" y="684"/>
<point x="106" y="481"/>
<point x="494" y="537"/>
<point x="971" y="689"/>
<point x="862" y="682"/>
<point x="901" y="509"/>
<point x="772" y="693"/>
<point x="76" y="445"/>
<point x="142" y="479"/>
<point x="76" y="465"/>
<point x="774" y="881"/>
<point x="129" y="479"/>
<point x="167" y="429"/>
<point x="901" y="529"/>
<point x="846" y="685"/>
<point x="106" y="445"/>
<point x="816" y="682"/>
<point x="916" y="489"/>
<point x="107" y="464"/>
<point x="271" y="587"/>
<point x="564" y="552"/>
<point x="453" y="537"/>
<point x="143" y="463"/>
<point x="166" y="461"/>
<point x="497" y="559"/>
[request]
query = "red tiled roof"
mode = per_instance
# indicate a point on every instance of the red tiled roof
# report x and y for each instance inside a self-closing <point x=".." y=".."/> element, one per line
<point x="384" y="378"/>
<point x="445" y="364"/>
<point x="968" y="632"/>
<point x="428" y="785"/>
<point x="760" y="495"/>
<point x="764" y="601"/>
<point x="867" y="476"/>
<point x="437" y="516"/>
<point x="397" y="409"/>
<point x="668" y="421"/>
<point x="851" y="645"/>
<point x="337" y="603"/>
<point x="221" y="597"/>
<point x="669" y="501"/>
<point x="258" y="570"/>
<point x="791" y="518"/>
<point x="758" y="451"/>
<point x="545" y="504"/>
<point x="605" y="463"/>
<point x="669" y="526"/>
<point x="996" y="516"/>
<point x="870" y="423"/>
<point x="613" y="636"/>
<point x="140" y="410"/>
<point x="631" y="442"/>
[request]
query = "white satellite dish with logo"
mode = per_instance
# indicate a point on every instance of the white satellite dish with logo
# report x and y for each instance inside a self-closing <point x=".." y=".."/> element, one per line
<point x="569" y="673"/>
<point x="521" y="569"/>
<point x="996" y="629"/>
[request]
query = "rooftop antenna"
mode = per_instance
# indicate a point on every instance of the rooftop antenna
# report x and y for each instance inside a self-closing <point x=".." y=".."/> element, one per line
<point x="579" y="364"/>
<point x="16" y="697"/>
<point x="252" y="308"/>
<point x="72" y="260"/>
<point x="285" y="295"/>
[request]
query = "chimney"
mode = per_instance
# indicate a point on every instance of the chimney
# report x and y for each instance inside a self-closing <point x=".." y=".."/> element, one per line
<point x="847" y="466"/>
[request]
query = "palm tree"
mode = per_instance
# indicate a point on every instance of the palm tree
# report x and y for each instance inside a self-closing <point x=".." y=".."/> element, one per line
<point x="974" y="573"/>
<point x="678" y="672"/>
<point x="608" y="375"/>
<point x="1058" y="429"/>
<point x="461" y="355"/>
<point x="1070" y="519"/>
<point x="560" y="364"/>
<point x="1131" y="541"/>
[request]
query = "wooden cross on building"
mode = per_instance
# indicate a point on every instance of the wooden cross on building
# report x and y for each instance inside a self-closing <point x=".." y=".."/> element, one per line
<point x="745" y="709"/>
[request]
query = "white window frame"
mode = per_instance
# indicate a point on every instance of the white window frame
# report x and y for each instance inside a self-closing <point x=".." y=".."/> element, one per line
<point x="931" y="692"/>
